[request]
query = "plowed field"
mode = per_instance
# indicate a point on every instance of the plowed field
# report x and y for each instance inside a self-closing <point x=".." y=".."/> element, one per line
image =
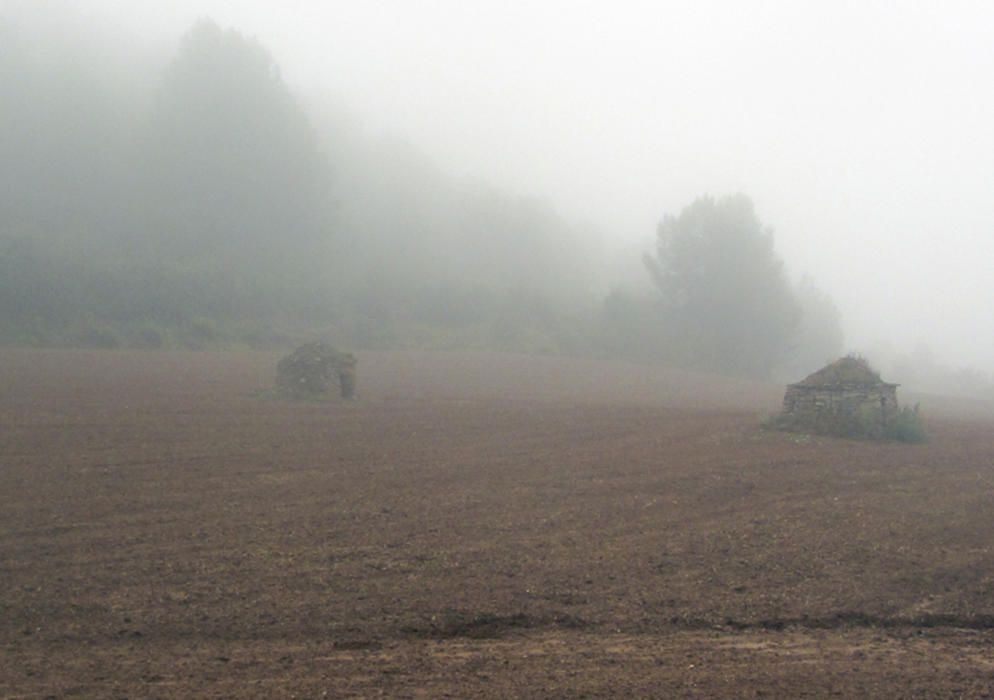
<point x="476" y="526"/>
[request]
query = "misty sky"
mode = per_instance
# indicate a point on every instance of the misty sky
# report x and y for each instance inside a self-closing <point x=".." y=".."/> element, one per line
<point x="864" y="131"/>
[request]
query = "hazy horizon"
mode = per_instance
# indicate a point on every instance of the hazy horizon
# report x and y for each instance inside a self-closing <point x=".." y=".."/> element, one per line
<point x="861" y="132"/>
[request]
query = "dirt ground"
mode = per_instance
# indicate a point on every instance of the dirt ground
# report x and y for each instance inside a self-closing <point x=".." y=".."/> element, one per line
<point x="476" y="526"/>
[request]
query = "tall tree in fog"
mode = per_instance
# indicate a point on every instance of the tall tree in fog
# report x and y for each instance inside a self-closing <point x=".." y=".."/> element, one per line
<point x="723" y="287"/>
<point x="819" y="337"/>
<point x="235" y="165"/>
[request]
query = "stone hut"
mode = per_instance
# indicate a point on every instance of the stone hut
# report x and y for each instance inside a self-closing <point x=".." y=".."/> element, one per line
<point x="845" y="398"/>
<point x="312" y="369"/>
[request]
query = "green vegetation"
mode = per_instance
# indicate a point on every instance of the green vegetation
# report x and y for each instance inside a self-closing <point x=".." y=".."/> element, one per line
<point x="865" y="424"/>
<point x="903" y="426"/>
<point x="851" y="369"/>
<point x="906" y="426"/>
<point x="722" y="288"/>
<point x="199" y="205"/>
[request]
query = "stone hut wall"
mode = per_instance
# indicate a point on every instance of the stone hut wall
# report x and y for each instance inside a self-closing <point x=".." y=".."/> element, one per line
<point x="835" y="408"/>
<point x="313" y="368"/>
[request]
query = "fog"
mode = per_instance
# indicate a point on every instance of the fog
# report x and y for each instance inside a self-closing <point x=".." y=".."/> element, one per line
<point x="861" y="131"/>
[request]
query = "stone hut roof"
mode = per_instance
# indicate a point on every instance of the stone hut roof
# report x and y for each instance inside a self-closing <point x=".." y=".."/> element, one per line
<point x="847" y="371"/>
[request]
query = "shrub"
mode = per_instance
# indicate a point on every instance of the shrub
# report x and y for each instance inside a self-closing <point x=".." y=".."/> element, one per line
<point x="906" y="426"/>
<point x="201" y="332"/>
<point x="865" y="423"/>
<point x="98" y="336"/>
<point x="150" y="337"/>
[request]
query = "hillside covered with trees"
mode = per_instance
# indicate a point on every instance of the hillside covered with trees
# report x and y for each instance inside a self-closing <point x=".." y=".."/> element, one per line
<point x="200" y="203"/>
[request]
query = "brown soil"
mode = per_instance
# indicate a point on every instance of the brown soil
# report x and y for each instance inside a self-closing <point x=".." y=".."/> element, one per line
<point x="475" y="526"/>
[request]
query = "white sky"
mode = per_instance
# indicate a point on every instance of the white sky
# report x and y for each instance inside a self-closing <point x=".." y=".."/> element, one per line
<point x="864" y="131"/>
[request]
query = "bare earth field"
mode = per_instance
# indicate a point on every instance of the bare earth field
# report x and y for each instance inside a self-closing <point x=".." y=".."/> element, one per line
<point x="476" y="526"/>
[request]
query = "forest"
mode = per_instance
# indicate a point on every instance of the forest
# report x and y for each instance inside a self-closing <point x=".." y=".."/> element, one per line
<point x="201" y="203"/>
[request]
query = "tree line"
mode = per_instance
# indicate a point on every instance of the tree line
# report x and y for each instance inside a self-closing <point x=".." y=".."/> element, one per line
<point x="200" y="203"/>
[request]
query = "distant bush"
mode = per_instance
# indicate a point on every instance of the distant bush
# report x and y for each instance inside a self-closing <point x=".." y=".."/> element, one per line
<point x="201" y="332"/>
<point x="34" y="333"/>
<point x="150" y="337"/>
<point x="260" y="335"/>
<point x="98" y="336"/>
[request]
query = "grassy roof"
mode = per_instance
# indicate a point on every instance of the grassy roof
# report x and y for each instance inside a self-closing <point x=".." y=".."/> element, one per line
<point x="847" y="370"/>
